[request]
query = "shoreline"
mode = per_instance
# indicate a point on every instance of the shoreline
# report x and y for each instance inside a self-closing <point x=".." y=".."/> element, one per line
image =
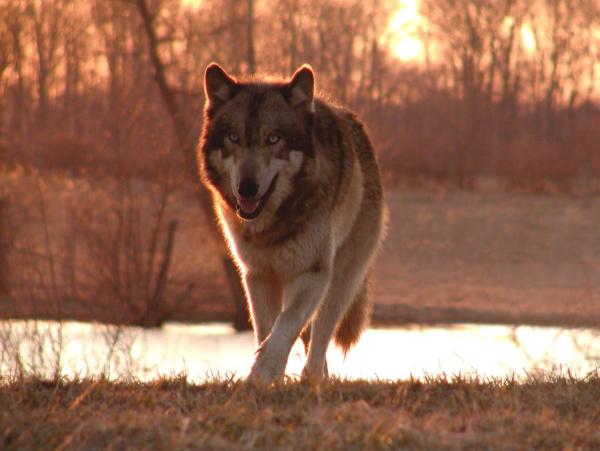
<point x="384" y="316"/>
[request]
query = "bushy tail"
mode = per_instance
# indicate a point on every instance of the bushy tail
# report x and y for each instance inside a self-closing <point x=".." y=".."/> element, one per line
<point x="355" y="320"/>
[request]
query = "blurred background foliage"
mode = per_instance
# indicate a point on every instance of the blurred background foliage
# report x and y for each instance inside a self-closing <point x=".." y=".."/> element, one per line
<point x="505" y="87"/>
<point x="100" y="110"/>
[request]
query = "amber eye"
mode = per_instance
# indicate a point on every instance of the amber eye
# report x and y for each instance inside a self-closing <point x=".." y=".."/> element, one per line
<point x="272" y="139"/>
<point x="233" y="137"/>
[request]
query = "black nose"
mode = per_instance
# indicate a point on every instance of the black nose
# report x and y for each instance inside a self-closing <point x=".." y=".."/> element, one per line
<point x="247" y="188"/>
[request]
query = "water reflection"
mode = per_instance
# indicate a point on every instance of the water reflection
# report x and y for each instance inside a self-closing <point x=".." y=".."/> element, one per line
<point x="205" y="350"/>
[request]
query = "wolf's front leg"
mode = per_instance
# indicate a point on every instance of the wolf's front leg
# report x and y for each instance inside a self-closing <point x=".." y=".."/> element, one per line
<point x="263" y="292"/>
<point x="301" y="298"/>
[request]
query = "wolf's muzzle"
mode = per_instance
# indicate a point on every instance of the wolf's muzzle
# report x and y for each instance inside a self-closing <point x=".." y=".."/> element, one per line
<point x="248" y="206"/>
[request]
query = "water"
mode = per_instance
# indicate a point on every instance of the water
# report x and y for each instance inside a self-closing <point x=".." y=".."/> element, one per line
<point x="208" y="350"/>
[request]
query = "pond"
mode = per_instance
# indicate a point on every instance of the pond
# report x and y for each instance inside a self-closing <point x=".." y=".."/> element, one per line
<point x="204" y="351"/>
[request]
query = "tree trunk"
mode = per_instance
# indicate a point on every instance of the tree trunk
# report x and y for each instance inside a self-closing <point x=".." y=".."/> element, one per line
<point x="251" y="57"/>
<point x="187" y="144"/>
<point x="3" y="247"/>
<point x="19" y="114"/>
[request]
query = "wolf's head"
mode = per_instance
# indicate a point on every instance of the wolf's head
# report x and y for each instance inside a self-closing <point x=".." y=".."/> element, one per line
<point x="256" y="138"/>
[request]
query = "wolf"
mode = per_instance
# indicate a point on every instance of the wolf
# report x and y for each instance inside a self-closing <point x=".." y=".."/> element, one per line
<point x="296" y="190"/>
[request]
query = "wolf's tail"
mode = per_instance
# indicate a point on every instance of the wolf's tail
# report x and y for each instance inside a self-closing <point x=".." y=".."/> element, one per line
<point x="355" y="320"/>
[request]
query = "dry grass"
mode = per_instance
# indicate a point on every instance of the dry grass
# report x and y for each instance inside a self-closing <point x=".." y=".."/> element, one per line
<point x="442" y="413"/>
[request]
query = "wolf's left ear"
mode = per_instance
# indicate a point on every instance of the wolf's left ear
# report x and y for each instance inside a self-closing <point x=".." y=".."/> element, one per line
<point x="218" y="85"/>
<point x="301" y="88"/>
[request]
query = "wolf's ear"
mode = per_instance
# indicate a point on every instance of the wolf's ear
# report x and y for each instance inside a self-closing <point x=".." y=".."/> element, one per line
<point x="301" y="88"/>
<point x="218" y="85"/>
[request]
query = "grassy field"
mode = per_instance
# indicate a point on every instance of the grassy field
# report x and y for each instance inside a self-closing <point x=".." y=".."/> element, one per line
<point x="491" y="257"/>
<point x="442" y="413"/>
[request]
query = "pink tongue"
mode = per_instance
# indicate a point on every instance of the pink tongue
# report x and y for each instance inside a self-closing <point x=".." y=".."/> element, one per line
<point x="248" y="206"/>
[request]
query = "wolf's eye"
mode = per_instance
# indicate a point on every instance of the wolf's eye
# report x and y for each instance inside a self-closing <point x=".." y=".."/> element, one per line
<point x="272" y="139"/>
<point x="233" y="137"/>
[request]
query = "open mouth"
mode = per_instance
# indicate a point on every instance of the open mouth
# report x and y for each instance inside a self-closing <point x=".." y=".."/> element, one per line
<point x="250" y="208"/>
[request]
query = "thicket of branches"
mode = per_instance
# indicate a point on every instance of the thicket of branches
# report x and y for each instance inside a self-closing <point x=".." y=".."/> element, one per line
<point x="77" y="87"/>
<point x="109" y="93"/>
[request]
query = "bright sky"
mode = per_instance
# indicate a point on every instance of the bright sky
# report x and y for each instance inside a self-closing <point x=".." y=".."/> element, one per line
<point x="192" y="3"/>
<point x="403" y="32"/>
<point x="528" y="38"/>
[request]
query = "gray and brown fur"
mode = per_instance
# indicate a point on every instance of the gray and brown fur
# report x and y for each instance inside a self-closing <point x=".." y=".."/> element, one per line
<point x="305" y="258"/>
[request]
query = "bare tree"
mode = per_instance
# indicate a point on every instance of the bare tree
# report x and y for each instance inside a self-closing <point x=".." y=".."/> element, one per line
<point x="75" y="50"/>
<point x="186" y="140"/>
<point x="251" y="54"/>
<point x="46" y="17"/>
<point x="14" y="22"/>
<point x="4" y="62"/>
<point x="3" y="247"/>
<point x="565" y="53"/>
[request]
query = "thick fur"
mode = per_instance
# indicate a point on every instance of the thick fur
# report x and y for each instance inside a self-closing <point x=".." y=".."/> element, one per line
<point x="305" y="240"/>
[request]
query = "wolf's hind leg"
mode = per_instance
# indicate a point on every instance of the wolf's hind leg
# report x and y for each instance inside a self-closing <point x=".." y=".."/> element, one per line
<point x="264" y="294"/>
<point x="347" y="283"/>
<point x="306" y="341"/>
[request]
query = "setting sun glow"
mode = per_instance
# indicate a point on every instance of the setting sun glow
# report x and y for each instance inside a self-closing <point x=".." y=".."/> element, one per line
<point x="403" y="32"/>
<point x="528" y="38"/>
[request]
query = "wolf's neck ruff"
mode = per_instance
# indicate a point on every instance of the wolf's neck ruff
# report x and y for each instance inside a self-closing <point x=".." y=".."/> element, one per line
<point x="296" y="187"/>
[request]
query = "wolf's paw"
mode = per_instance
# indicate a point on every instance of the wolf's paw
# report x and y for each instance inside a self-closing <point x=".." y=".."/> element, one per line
<point x="267" y="367"/>
<point x="263" y="375"/>
<point x="315" y="373"/>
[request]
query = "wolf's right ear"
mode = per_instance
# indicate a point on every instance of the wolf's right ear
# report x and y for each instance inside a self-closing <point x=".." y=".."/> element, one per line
<point x="302" y="88"/>
<point x="218" y="85"/>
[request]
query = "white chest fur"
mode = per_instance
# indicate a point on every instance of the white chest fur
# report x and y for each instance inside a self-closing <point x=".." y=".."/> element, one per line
<point x="286" y="259"/>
